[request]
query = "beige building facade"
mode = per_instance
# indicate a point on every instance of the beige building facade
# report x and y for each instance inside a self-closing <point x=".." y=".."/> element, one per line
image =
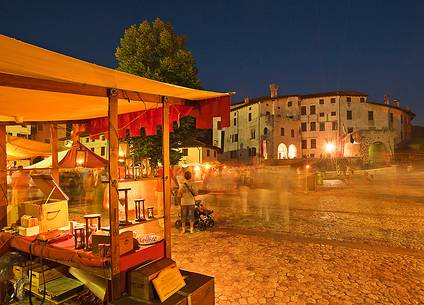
<point x="314" y="125"/>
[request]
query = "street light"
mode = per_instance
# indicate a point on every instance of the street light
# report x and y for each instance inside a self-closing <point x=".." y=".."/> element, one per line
<point x="330" y="148"/>
<point x="306" y="177"/>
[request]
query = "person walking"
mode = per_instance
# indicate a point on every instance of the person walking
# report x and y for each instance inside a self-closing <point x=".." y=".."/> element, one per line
<point x="187" y="192"/>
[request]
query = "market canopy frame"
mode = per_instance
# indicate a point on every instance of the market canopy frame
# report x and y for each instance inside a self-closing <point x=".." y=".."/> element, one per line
<point x="38" y="85"/>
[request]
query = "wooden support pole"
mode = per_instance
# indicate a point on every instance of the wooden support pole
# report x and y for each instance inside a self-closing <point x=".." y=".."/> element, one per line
<point x="75" y="133"/>
<point x="3" y="177"/>
<point x="54" y="150"/>
<point x="166" y="177"/>
<point x="113" y="193"/>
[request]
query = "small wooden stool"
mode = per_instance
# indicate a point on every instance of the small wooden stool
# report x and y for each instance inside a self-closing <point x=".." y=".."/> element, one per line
<point x="88" y="224"/>
<point x="139" y="207"/>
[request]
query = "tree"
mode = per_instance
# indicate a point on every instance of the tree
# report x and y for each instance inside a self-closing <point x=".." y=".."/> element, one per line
<point x="155" y="51"/>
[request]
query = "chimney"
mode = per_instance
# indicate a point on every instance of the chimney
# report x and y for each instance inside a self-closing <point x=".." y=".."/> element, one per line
<point x="246" y="100"/>
<point x="274" y="90"/>
<point x="396" y="103"/>
<point x="386" y="100"/>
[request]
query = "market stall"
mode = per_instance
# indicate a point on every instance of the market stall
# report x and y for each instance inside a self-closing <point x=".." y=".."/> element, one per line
<point x="37" y="85"/>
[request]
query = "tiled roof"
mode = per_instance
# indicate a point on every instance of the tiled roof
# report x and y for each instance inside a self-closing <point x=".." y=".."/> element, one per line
<point x="252" y="101"/>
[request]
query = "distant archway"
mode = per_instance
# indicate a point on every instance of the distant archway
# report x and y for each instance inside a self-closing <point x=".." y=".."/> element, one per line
<point x="292" y="151"/>
<point x="282" y="151"/>
<point x="377" y="152"/>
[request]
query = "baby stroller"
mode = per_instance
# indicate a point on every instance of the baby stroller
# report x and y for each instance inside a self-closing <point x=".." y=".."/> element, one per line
<point x="202" y="217"/>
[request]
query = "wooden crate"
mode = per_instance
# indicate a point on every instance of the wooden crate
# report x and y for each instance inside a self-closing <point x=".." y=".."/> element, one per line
<point x="199" y="289"/>
<point x="140" y="279"/>
<point x="126" y="243"/>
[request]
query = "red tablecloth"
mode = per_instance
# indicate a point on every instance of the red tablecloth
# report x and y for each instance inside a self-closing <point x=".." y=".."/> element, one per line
<point x="64" y="251"/>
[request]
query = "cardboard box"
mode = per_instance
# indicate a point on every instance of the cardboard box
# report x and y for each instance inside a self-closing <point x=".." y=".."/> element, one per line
<point x="126" y="243"/>
<point x="140" y="279"/>
<point x="31" y="231"/>
<point x="49" y="274"/>
<point x="52" y="212"/>
<point x="20" y="270"/>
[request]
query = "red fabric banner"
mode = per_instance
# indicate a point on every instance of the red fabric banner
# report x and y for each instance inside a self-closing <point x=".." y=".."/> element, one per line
<point x="152" y="118"/>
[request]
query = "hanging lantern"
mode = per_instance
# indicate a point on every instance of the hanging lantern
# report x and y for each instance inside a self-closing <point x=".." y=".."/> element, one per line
<point x="80" y="158"/>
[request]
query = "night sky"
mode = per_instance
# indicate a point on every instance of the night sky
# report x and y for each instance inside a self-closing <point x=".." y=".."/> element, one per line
<point x="376" y="47"/>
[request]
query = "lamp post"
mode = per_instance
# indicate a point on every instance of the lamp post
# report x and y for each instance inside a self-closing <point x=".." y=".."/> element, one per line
<point x="306" y="177"/>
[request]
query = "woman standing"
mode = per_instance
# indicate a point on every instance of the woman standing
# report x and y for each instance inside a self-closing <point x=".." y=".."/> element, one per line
<point x="187" y="192"/>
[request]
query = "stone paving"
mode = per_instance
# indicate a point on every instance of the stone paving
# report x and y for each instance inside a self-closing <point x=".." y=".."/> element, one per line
<point x="360" y="244"/>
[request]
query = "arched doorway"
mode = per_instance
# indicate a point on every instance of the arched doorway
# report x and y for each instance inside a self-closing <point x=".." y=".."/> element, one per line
<point x="282" y="151"/>
<point x="377" y="153"/>
<point x="292" y="151"/>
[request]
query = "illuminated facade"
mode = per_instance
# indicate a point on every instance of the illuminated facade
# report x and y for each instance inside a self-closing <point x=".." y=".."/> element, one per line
<point x="310" y="126"/>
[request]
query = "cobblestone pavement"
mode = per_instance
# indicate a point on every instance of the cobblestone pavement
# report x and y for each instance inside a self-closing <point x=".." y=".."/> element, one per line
<point x="360" y="244"/>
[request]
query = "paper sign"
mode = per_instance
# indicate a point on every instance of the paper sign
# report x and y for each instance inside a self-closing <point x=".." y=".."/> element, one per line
<point x="168" y="282"/>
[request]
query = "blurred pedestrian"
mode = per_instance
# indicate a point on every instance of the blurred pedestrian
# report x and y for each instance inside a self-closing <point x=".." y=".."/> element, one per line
<point x="187" y="192"/>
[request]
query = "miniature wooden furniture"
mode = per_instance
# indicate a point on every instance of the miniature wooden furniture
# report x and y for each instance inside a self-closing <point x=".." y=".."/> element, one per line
<point x="79" y="237"/>
<point x="139" y="207"/>
<point x="88" y="226"/>
<point x="125" y="190"/>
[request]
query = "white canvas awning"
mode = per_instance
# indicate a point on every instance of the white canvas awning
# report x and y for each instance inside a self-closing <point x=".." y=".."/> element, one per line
<point x="40" y="85"/>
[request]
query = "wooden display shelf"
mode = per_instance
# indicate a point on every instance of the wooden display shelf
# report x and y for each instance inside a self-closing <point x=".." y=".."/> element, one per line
<point x="136" y="223"/>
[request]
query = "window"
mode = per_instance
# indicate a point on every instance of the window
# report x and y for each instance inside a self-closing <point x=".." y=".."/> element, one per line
<point x="312" y="155"/>
<point x="252" y="151"/>
<point x="87" y="140"/>
<point x="250" y="108"/>
<point x="250" y="116"/>
<point x="362" y="99"/>
<point x="268" y="113"/>
<point x="370" y="115"/>
<point x="303" y="110"/>
<point x="349" y="114"/>
<point x="349" y="129"/>
<point x="92" y="149"/>
<point x="333" y="113"/>
<point x="219" y="125"/>
<point x="102" y="151"/>
<point x="235" y="113"/>
<point x="349" y="99"/>
<point x="253" y="134"/>
<point x="321" y="101"/>
<point x="303" y="126"/>
<point x="235" y="121"/>
<point x="322" y="126"/>
<point x="321" y="114"/>
<point x="292" y="133"/>
<point x="214" y="153"/>
<point x="334" y="125"/>
<point x="290" y="103"/>
<point x="313" y="126"/>
<point x="282" y="132"/>
<point x="208" y="153"/>
<point x="304" y="144"/>
<point x="102" y="137"/>
<point x="185" y="151"/>
<point x="312" y="109"/>
<point x="313" y="143"/>
<point x="265" y="131"/>
<point x="333" y="100"/>
<point x="236" y="137"/>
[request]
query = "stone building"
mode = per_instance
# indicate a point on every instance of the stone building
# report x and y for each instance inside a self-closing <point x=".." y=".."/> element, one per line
<point x="312" y="126"/>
